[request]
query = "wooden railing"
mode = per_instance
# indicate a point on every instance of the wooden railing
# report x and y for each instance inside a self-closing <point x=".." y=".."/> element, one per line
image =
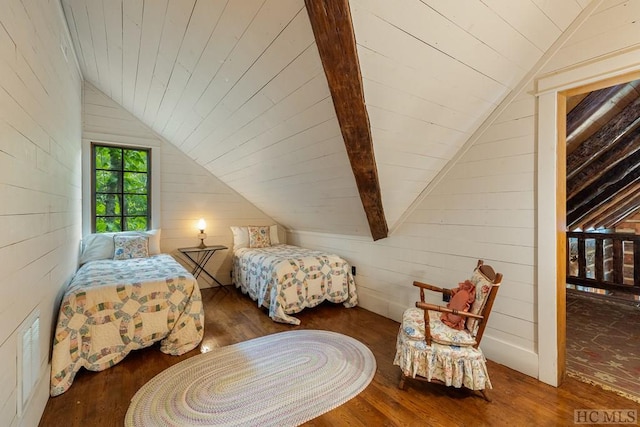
<point x="604" y="260"/>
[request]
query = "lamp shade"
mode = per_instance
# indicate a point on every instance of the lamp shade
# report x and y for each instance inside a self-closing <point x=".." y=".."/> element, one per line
<point x="201" y="224"/>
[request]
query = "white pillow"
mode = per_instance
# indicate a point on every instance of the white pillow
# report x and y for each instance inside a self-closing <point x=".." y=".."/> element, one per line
<point x="273" y="234"/>
<point x="100" y="245"/>
<point x="241" y="236"/>
<point x="154" y="240"/>
<point x="97" y="246"/>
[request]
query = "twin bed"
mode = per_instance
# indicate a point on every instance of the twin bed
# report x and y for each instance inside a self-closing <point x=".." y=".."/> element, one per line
<point x="114" y="306"/>
<point x="287" y="279"/>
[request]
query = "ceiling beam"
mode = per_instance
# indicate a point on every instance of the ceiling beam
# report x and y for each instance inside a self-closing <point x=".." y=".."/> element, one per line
<point x="608" y="135"/>
<point x="603" y="189"/>
<point x="591" y="219"/>
<point x="625" y="211"/>
<point x="333" y="31"/>
<point x="597" y="106"/>
<point x="609" y="156"/>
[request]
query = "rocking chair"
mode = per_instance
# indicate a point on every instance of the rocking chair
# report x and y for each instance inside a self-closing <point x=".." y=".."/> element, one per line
<point x="441" y="344"/>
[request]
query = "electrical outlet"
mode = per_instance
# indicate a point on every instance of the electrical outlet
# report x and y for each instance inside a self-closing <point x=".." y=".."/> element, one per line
<point x="353" y="270"/>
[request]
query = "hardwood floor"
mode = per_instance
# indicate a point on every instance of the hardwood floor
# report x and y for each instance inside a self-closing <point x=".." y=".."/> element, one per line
<point x="102" y="398"/>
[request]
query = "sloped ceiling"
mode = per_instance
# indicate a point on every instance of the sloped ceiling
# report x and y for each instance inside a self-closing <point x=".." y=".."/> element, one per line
<point x="238" y="86"/>
<point x="603" y="157"/>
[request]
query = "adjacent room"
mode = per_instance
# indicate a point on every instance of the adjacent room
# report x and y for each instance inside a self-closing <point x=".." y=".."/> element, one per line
<point x="603" y="273"/>
<point x="167" y="164"/>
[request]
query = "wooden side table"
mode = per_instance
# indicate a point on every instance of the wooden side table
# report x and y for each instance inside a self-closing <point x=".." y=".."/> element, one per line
<point x="199" y="257"/>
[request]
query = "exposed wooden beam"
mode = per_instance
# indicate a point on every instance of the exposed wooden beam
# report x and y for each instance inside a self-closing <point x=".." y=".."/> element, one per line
<point x="574" y="101"/>
<point x="617" y="211"/>
<point x="608" y="135"/>
<point x="333" y="31"/>
<point x="589" y="220"/>
<point x="594" y="111"/>
<point x="604" y="189"/>
<point x="609" y="156"/>
<point x="620" y="215"/>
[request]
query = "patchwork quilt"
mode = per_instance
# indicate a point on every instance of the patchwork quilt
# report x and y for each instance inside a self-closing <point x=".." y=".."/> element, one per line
<point x="113" y="307"/>
<point x="286" y="279"/>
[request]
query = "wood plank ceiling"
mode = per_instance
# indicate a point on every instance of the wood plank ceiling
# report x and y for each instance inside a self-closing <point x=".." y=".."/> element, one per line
<point x="603" y="157"/>
<point x="239" y="86"/>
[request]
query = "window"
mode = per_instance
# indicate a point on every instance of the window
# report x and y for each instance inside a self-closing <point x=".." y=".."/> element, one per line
<point x="121" y="197"/>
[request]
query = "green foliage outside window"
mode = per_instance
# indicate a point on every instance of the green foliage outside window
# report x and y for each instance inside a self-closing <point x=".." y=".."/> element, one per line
<point x="121" y="189"/>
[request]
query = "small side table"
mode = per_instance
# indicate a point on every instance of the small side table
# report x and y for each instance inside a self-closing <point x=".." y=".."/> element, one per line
<point x="199" y="257"/>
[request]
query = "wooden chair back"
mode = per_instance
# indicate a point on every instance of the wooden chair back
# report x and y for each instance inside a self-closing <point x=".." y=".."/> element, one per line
<point x="482" y="317"/>
<point x="496" y="279"/>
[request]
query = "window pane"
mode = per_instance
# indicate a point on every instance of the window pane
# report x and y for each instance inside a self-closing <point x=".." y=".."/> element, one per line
<point x="108" y="158"/>
<point x="108" y="204"/>
<point x="136" y="223"/>
<point x="106" y="225"/>
<point x="135" y="182"/>
<point x="121" y="188"/>
<point x="107" y="182"/>
<point x="135" y="160"/>
<point x="135" y="204"/>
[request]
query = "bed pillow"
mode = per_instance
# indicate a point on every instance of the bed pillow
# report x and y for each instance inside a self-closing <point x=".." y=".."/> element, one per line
<point x="259" y="236"/>
<point x="100" y="245"/>
<point x="127" y="247"/>
<point x="273" y="235"/>
<point x="154" y="240"/>
<point x="240" y="237"/>
<point x="97" y="246"/>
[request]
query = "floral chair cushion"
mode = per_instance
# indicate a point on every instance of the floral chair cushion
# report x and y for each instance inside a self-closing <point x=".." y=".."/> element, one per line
<point x="413" y="328"/>
<point x="483" y="287"/>
<point x="453" y="365"/>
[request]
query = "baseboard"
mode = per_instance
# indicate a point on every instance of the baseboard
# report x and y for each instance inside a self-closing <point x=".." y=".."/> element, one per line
<point x="514" y="357"/>
<point x="380" y="304"/>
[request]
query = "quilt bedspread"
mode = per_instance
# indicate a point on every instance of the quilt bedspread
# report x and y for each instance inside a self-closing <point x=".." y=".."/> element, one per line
<point x="113" y="307"/>
<point x="286" y="279"/>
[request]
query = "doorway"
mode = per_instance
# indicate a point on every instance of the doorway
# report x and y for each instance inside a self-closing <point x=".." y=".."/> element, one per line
<point x="552" y="91"/>
<point x="602" y="184"/>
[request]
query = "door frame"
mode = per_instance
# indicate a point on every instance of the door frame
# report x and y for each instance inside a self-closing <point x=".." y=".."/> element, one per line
<point x="551" y="91"/>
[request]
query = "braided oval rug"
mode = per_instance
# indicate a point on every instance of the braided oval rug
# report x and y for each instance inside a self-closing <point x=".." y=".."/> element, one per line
<point x="281" y="379"/>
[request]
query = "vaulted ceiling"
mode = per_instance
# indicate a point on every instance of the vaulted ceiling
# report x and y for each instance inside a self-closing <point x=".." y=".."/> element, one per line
<point x="239" y="86"/>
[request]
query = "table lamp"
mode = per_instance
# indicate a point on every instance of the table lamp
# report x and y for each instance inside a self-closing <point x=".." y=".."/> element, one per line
<point x="202" y="235"/>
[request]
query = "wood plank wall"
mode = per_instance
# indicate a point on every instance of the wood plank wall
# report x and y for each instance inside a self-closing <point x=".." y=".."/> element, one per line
<point x="187" y="191"/>
<point x="473" y="213"/>
<point x="40" y="125"/>
<point x="483" y="208"/>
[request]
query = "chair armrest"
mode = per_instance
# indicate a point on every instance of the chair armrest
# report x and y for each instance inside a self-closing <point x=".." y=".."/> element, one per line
<point x="426" y="306"/>
<point x="429" y="287"/>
